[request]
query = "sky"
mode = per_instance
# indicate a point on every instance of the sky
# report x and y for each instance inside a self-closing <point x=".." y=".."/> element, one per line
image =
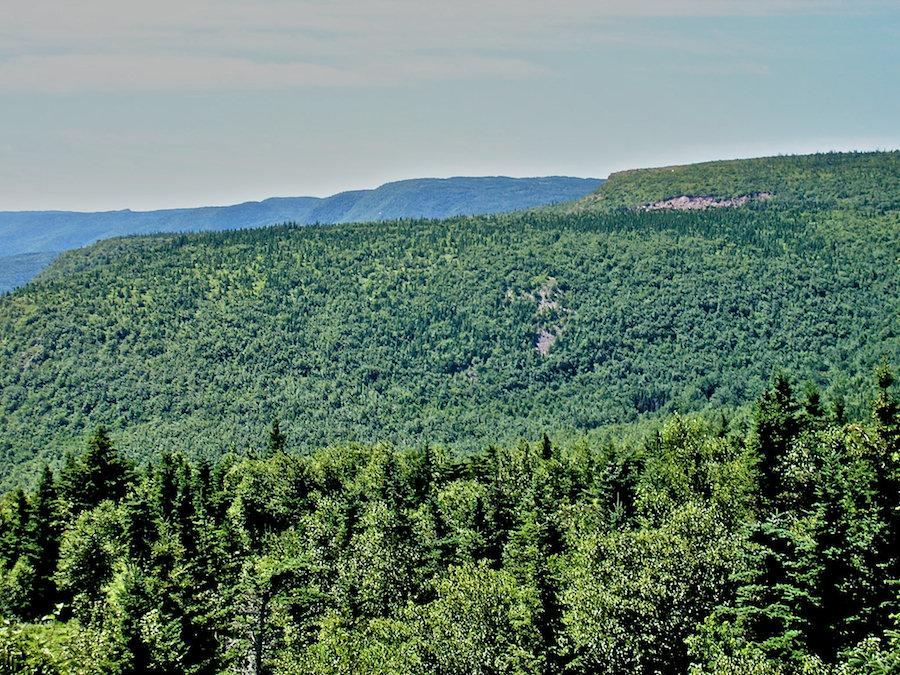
<point x="114" y="104"/>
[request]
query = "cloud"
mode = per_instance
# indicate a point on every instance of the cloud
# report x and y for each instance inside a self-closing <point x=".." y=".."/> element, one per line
<point x="176" y="45"/>
<point x="99" y="73"/>
<point x="469" y="67"/>
<point x="123" y="73"/>
<point x="399" y="24"/>
<point x="729" y="69"/>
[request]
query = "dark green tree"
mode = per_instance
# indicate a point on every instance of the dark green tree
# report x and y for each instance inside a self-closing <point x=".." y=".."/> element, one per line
<point x="776" y="425"/>
<point x="277" y="439"/>
<point x="47" y="533"/>
<point x="101" y="473"/>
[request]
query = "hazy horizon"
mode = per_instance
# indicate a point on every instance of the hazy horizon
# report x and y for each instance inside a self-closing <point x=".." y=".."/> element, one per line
<point x="105" y="106"/>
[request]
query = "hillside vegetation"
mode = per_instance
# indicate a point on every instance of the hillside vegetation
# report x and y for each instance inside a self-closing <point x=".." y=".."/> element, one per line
<point x="298" y="450"/>
<point x="429" y="331"/>
<point x="42" y="231"/>
<point x="858" y="181"/>
<point x="705" y="550"/>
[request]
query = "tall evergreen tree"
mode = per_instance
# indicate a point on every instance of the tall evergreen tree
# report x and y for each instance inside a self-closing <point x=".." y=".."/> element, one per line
<point x="100" y="474"/>
<point x="47" y="533"/>
<point x="776" y="425"/>
<point x="277" y="440"/>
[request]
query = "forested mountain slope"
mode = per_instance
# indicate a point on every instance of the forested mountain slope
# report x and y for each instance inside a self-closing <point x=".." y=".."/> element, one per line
<point x="856" y="181"/>
<point x="458" y="332"/>
<point x="47" y="231"/>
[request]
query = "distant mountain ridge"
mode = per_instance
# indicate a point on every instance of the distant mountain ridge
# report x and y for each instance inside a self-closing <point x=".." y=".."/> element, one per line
<point x="50" y="232"/>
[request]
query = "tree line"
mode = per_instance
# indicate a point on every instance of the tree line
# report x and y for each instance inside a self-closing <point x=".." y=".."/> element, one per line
<point x="713" y="546"/>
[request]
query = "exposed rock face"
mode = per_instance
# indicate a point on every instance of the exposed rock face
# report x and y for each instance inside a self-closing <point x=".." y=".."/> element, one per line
<point x="685" y="203"/>
<point x="550" y="315"/>
<point x="546" y="339"/>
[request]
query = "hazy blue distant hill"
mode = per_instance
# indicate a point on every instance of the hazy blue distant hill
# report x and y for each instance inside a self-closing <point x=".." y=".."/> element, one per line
<point x="37" y="231"/>
<point x="443" y="198"/>
<point x="45" y="231"/>
<point x="17" y="270"/>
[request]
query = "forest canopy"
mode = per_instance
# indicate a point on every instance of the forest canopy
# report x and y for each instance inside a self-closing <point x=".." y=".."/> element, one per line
<point x="460" y="332"/>
<point x="708" y="549"/>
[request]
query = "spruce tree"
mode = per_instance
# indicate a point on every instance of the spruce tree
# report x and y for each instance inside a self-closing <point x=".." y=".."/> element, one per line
<point x="100" y="474"/>
<point x="776" y="425"/>
<point x="277" y="440"/>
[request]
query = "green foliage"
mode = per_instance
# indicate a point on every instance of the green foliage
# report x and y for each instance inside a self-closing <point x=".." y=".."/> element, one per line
<point x="820" y="571"/>
<point x="718" y="649"/>
<point x="848" y="180"/>
<point x="874" y="656"/>
<point x="89" y="553"/>
<point x="101" y="474"/>
<point x="759" y="539"/>
<point x="482" y="621"/>
<point x="689" y="463"/>
<point x="366" y="648"/>
<point x="777" y="424"/>
<point x="523" y="558"/>
<point x="277" y="440"/>
<point x="633" y="598"/>
<point x="54" y="648"/>
<point x="417" y="332"/>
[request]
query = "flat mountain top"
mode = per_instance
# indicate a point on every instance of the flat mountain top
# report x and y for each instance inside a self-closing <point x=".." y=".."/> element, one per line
<point x="447" y="197"/>
<point x="848" y="180"/>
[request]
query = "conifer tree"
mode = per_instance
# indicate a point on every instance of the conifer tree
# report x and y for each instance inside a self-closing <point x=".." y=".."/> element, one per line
<point x="47" y="533"/>
<point x="100" y="474"/>
<point x="776" y="425"/>
<point x="277" y="440"/>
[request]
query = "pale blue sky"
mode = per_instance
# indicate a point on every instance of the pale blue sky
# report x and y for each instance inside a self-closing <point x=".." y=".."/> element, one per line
<point x="108" y="104"/>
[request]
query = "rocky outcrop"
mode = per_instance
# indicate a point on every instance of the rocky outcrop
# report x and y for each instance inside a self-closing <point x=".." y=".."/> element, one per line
<point x="685" y="203"/>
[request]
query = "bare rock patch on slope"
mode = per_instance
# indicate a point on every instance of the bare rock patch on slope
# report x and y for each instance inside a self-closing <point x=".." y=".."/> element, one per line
<point x="686" y="203"/>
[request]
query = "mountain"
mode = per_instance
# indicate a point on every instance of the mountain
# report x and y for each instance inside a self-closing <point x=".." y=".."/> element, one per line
<point x="848" y="181"/>
<point x="18" y="270"/>
<point x="443" y="198"/>
<point x="43" y="232"/>
<point x="741" y="317"/>
<point x="462" y="331"/>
